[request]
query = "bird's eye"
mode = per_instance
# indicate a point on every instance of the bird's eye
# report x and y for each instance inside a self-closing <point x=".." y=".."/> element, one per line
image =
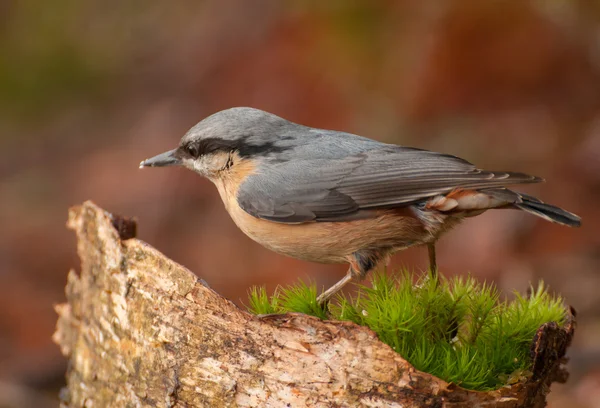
<point x="192" y="149"/>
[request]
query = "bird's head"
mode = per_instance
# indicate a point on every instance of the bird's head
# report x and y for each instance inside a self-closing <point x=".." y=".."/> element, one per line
<point x="217" y="142"/>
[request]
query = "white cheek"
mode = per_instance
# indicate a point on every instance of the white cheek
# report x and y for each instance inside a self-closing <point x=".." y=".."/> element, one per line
<point x="208" y="165"/>
<point x="197" y="166"/>
<point x="213" y="163"/>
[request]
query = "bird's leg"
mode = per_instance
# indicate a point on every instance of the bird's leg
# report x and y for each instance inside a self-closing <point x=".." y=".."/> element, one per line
<point x="325" y="296"/>
<point x="432" y="262"/>
<point x="361" y="262"/>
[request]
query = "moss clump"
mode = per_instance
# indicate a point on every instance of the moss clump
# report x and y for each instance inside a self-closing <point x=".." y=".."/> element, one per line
<point x="458" y="330"/>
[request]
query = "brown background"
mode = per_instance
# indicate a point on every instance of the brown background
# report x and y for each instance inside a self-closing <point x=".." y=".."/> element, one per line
<point x="90" y="88"/>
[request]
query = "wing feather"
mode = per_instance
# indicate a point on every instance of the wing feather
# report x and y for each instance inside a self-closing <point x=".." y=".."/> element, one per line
<point x="388" y="176"/>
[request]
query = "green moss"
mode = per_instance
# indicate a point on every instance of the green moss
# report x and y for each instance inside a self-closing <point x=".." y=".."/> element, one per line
<point x="299" y="298"/>
<point x="459" y="330"/>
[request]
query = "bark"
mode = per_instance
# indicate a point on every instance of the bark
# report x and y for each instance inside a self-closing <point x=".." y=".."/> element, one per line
<point x="140" y="330"/>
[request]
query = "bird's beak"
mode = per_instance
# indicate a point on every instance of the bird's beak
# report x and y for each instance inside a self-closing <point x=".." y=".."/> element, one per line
<point x="162" y="160"/>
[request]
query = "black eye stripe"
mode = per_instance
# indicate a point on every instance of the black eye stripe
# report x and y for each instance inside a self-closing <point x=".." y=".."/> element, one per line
<point x="204" y="146"/>
<point x="207" y="146"/>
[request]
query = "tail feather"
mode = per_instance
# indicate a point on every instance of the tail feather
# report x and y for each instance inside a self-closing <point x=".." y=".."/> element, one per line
<point x="536" y="207"/>
<point x="550" y="213"/>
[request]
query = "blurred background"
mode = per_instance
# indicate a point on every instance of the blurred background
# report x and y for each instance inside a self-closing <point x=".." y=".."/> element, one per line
<point x="89" y="88"/>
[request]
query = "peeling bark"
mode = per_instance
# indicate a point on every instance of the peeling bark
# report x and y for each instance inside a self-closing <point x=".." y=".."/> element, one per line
<point x="141" y="330"/>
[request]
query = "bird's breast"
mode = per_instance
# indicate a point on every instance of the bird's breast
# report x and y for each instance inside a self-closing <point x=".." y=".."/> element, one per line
<point x="325" y="242"/>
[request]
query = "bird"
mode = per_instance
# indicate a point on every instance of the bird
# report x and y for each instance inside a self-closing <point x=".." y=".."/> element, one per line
<point x="328" y="196"/>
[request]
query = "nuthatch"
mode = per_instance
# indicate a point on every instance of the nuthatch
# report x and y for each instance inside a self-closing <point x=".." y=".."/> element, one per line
<point x="334" y="197"/>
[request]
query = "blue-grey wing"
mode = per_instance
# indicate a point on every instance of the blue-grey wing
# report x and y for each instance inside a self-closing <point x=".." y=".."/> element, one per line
<point x="380" y="176"/>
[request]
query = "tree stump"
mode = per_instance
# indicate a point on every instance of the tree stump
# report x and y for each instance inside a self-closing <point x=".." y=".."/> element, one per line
<point x="139" y="330"/>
